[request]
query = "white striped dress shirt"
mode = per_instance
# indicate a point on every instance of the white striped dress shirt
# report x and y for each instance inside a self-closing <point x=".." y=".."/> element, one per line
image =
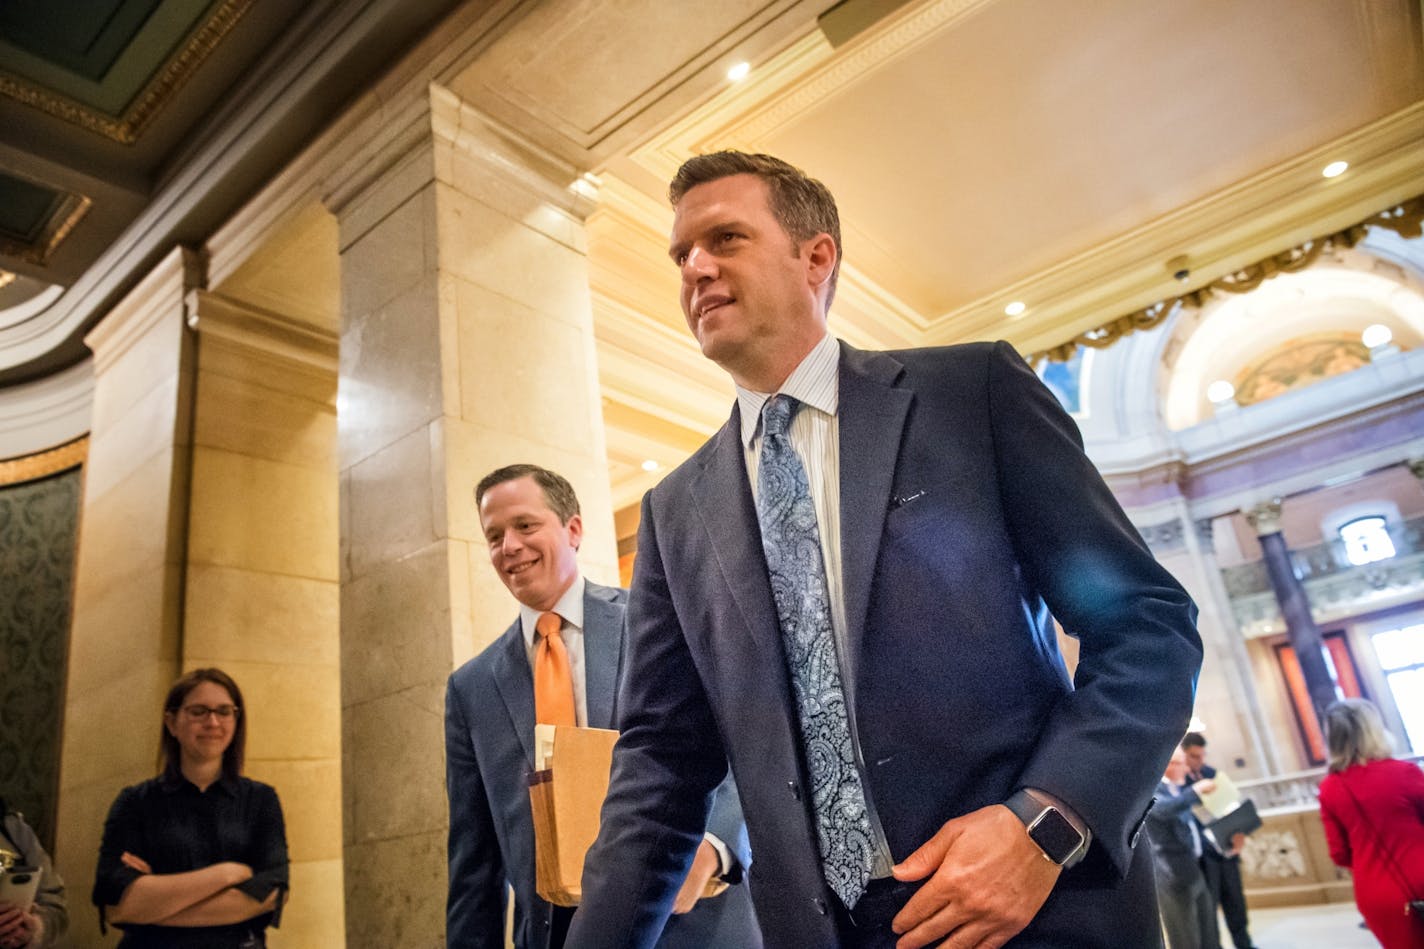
<point x="815" y="437"/>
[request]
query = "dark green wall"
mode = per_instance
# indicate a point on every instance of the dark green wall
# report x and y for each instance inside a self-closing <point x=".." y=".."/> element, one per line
<point x="39" y="523"/>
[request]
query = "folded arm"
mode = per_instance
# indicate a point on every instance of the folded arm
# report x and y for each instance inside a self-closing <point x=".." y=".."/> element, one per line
<point x="153" y="898"/>
<point x="223" y="908"/>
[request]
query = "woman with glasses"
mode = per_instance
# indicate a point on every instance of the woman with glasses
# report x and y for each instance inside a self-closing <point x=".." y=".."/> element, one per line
<point x="197" y="857"/>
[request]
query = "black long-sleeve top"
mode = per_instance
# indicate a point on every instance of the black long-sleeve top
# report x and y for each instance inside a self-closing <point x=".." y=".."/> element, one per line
<point x="177" y="828"/>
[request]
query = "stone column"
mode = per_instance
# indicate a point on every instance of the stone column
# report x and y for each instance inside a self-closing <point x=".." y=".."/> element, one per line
<point x="1295" y="606"/>
<point x="128" y="579"/>
<point x="466" y="344"/>
<point x="262" y="592"/>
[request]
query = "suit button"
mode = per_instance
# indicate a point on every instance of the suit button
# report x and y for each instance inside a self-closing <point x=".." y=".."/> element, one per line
<point x="821" y="907"/>
<point x="794" y="789"/>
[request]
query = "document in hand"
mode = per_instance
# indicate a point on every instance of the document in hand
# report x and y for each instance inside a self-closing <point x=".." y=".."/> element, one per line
<point x="565" y="796"/>
<point x="1242" y="819"/>
<point x="18" y="886"/>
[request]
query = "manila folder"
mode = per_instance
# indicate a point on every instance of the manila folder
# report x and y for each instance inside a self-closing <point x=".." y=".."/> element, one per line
<point x="565" y="798"/>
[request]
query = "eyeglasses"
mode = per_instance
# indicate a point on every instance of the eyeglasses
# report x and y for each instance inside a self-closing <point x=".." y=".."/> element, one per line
<point x="198" y="713"/>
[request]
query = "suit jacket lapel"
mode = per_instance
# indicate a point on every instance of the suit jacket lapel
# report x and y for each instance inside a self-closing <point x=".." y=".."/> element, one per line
<point x="515" y="681"/>
<point x="602" y="648"/>
<point x="724" y="504"/>
<point x="872" y="418"/>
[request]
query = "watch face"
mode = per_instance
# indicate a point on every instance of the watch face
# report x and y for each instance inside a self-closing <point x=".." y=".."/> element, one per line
<point x="1054" y="835"/>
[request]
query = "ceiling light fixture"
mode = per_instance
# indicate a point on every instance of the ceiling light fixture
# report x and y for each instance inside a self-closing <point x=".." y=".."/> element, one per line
<point x="1376" y="335"/>
<point x="1335" y="169"/>
<point x="651" y="465"/>
<point x="1220" y="391"/>
<point x="1015" y="308"/>
<point x="739" y="72"/>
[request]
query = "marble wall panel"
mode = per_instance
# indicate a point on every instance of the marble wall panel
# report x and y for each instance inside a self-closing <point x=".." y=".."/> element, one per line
<point x="260" y="617"/>
<point x="128" y="621"/>
<point x="418" y="863"/>
<point x="153" y="359"/>
<point x="514" y="364"/>
<point x="245" y="417"/>
<point x="393" y="750"/>
<point x="388" y="260"/>
<point x="262" y="515"/>
<point x="82" y="810"/>
<point x="148" y="428"/>
<point x="392" y="498"/>
<point x="315" y="912"/>
<point x="111" y="729"/>
<point x="398" y="619"/>
<point x="469" y="176"/>
<point x="390" y="373"/>
<point x="292" y="708"/>
<point x="236" y="361"/>
<point x="310" y="792"/>
<point x="492" y="250"/>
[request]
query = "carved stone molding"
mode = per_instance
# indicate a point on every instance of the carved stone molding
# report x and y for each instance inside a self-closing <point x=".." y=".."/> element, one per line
<point x="45" y="463"/>
<point x="1405" y="219"/>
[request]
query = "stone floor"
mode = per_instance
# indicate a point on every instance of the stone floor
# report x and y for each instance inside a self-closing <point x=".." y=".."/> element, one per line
<point x="1328" y="926"/>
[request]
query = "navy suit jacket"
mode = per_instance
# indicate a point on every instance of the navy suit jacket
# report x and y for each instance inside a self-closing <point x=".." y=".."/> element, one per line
<point x="489" y="752"/>
<point x="968" y="511"/>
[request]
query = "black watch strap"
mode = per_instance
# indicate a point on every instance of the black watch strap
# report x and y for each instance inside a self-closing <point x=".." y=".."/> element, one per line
<point x="1046" y="826"/>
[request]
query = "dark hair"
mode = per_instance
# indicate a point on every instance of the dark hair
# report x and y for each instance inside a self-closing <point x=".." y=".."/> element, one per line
<point x="170" y="756"/>
<point x="558" y="493"/>
<point x="1193" y="740"/>
<point x="1354" y="734"/>
<point x="801" y="205"/>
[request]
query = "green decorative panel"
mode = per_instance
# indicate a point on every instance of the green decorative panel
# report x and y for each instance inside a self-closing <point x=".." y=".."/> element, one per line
<point x="39" y="524"/>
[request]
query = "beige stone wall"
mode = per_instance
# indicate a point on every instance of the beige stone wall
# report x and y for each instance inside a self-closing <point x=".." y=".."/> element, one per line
<point x="466" y="344"/>
<point x="123" y="650"/>
<point x="262" y="592"/>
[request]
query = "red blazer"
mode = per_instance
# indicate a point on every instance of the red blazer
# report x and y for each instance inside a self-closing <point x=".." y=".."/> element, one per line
<point x="1374" y="823"/>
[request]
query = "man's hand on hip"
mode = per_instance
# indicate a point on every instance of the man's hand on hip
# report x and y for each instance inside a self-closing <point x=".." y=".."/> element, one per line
<point x="703" y="869"/>
<point x="987" y="880"/>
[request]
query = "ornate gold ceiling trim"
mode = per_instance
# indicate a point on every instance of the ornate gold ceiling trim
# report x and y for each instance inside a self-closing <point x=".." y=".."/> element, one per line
<point x="71" y="210"/>
<point x="1406" y="219"/>
<point x="171" y="77"/>
<point x="45" y="463"/>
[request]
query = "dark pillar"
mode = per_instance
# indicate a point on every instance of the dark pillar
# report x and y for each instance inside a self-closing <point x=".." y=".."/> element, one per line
<point x="1295" y="607"/>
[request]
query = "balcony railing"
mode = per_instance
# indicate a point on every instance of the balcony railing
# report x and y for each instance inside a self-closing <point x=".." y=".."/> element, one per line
<point x="1295" y="790"/>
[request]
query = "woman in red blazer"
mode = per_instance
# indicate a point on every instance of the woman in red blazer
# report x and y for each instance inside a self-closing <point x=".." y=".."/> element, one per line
<point x="1373" y="809"/>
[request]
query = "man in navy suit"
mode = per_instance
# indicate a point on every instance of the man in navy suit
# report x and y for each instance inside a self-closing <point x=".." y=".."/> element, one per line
<point x="531" y="522"/>
<point x="1222" y="868"/>
<point x="921" y="766"/>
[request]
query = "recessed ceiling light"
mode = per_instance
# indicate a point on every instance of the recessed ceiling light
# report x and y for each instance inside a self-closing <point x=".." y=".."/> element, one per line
<point x="1015" y="308"/>
<point x="1220" y="391"/>
<point x="651" y="465"/>
<point x="1335" y="169"/>
<point x="739" y="72"/>
<point x="1376" y="335"/>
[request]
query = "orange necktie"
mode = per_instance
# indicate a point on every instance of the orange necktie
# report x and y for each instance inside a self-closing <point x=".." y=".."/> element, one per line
<point x="553" y="679"/>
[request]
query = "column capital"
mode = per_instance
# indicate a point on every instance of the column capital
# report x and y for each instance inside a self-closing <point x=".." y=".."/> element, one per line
<point x="1206" y="530"/>
<point x="1265" y="517"/>
<point x="215" y="316"/>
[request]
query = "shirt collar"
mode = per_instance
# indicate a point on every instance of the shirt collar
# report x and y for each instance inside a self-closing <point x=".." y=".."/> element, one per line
<point x="569" y="606"/>
<point x="814" y="382"/>
<point x="172" y="784"/>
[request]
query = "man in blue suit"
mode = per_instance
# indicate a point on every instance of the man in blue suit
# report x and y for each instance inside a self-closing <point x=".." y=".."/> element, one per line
<point x="531" y="522"/>
<point x="847" y="594"/>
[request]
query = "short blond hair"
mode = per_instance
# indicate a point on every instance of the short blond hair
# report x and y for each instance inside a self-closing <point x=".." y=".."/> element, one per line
<point x="1354" y="734"/>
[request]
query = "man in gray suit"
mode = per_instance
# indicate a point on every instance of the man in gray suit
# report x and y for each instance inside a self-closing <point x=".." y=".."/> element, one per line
<point x="530" y="517"/>
<point x="1188" y="914"/>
